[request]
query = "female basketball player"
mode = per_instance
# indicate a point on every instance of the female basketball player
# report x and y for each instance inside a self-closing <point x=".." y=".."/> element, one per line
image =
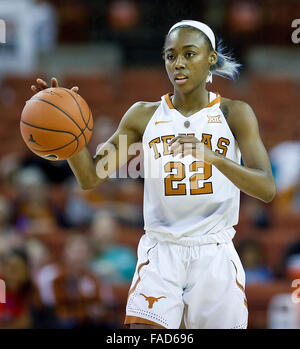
<point x="187" y="263"/>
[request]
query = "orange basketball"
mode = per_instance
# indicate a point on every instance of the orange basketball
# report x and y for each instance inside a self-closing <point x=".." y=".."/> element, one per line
<point x="56" y="123"/>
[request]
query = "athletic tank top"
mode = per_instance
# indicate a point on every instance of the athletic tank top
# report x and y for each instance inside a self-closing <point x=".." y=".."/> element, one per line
<point x="186" y="201"/>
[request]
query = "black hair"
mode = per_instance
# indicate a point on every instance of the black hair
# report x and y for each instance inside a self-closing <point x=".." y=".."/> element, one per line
<point x="22" y="254"/>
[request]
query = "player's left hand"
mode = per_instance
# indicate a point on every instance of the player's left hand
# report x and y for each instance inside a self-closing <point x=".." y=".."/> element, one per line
<point x="188" y="145"/>
<point x="42" y="85"/>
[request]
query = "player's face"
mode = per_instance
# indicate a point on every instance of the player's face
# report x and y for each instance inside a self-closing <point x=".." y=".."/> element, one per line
<point x="187" y="59"/>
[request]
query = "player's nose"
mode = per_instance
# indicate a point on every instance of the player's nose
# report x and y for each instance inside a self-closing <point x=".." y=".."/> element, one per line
<point x="180" y="62"/>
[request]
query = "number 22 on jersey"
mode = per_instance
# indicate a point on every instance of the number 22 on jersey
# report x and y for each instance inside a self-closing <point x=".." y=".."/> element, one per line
<point x="176" y="170"/>
<point x="195" y="189"/>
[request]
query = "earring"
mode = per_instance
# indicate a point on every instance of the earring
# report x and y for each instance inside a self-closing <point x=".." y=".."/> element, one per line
<point x="209" y="77"/>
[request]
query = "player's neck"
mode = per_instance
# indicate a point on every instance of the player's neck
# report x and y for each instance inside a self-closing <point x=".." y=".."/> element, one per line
<point x="188" y="104"/>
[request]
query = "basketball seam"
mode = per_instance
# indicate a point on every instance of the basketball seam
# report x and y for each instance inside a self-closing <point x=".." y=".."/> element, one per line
<point x="63" y="147"/>
<point x="50" y="150"/>
<point x="75" y="139"/>
<point x="55" y="106"/>
<point x="49" y="129"/>
<point x="69" y="93"/>
<point x="90" y="113"/>
<point x="78" y="105"/>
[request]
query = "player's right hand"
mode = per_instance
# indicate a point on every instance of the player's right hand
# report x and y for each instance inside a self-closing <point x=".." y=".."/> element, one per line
<point x="42" y="85"/>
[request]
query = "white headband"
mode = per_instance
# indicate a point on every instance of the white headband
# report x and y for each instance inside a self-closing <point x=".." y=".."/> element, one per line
<point x="199" y="25"/>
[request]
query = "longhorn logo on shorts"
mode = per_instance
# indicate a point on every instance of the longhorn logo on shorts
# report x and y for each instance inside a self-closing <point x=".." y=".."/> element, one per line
<point x="151" y="300"/>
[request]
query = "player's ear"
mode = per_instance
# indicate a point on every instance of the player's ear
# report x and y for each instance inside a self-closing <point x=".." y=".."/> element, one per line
<point x="212" y="58"/>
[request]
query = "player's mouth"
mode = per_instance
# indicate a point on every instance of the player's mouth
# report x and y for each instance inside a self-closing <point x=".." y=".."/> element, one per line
<point x="180" y="79"/>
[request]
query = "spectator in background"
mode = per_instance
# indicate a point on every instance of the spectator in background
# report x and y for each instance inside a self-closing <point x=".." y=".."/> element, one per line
<point x="244" y="21"/>
<point x="123" y="14"/>
<point x="5" y="215"/>
<point x="285" y="160"/>
<point x="258" y="212"/>
<point x="78" y="211"/>
<point x="44" y="269"/>
<point x="53" y="171"/>
<point x="33" y="214"/>
<point x="38" y="255"/>
<point x="114" y="263"/>
<point x="78" y="294"/>
<point x="283" y="313"/>
<point x="45" y="21"/>
<point x="291" y="261"/>
<point x="58" y="198"/>
<point x="15" y="313"/>
<point x="104" y="196"/>
<point x="129" y="204"/>
<point x="8" y="235"/>
<point x="283" y="310"/>
<point x="103" y="128"/>
<point x="252" y="258"/>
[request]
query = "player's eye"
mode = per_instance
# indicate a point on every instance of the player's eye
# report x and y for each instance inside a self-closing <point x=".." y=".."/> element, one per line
<point x="170" y="56"/>
<point x="190" y="54"/>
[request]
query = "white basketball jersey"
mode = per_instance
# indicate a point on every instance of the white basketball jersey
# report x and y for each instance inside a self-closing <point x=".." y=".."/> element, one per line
<point x="185" y="200"/>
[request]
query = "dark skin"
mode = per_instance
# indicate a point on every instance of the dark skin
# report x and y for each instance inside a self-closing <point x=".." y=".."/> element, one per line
<point x="188" y="54"/>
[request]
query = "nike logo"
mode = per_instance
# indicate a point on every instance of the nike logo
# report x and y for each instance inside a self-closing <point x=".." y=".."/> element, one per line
<point x="161" y="122"/>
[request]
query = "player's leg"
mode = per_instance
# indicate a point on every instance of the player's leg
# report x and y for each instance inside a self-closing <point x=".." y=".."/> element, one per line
<point x="216" y="296"/>
<point x="155" y="296"/>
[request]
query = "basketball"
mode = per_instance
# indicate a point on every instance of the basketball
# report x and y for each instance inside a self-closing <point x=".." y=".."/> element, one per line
<point x="56" y="123"/>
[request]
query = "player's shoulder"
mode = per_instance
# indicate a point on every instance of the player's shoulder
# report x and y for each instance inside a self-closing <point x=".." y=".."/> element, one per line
<point x="147" y="108"/>
<point x="233" y="107"/>
<point x="138" y="115"/>
<point x="237" y="111"/>
<point x="239" y="115"/>
<point x="141" y="110"/>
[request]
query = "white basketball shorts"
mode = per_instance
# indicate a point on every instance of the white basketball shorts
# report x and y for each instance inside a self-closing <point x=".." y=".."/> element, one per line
<point x="206" y="283"/>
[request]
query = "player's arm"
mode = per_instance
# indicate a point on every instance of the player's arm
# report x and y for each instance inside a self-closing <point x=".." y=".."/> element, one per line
<point x="255" y="178"/>
<point x="91" y="171"/>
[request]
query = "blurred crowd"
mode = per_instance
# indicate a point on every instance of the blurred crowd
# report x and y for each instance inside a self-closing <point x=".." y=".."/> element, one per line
<point x="65" y="254"/>
<point x="138" y="26"/>
<point x="283" y="213"/>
